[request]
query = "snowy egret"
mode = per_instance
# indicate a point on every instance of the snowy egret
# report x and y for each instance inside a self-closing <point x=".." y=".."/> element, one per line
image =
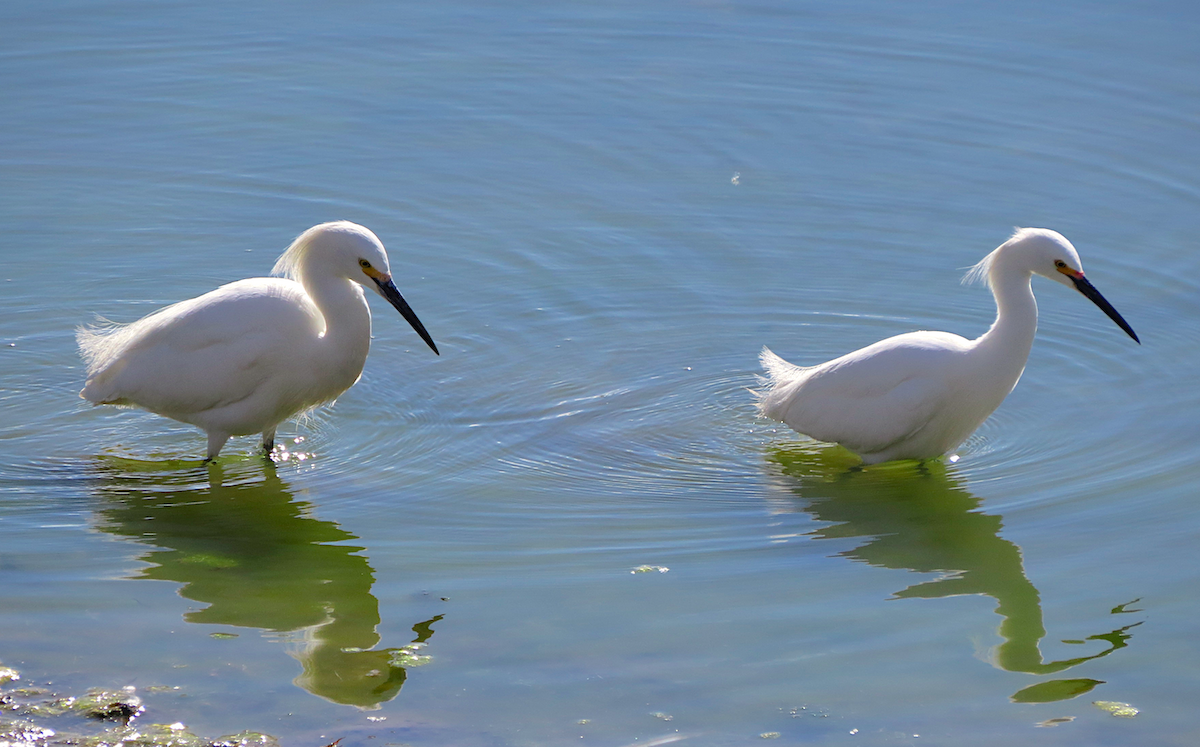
<point x="919" y="395"/>
<point x="245" y="357"/>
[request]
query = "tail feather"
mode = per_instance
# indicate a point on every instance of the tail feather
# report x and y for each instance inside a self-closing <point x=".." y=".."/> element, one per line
<point x="780" y="373"/>
<point x="776" y="367"/>
<point x="100" y="346"/>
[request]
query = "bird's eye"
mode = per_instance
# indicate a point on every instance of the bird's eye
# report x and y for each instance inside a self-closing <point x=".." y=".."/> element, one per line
<point x="364" y="264"/>
<point x="1059" y="264"/>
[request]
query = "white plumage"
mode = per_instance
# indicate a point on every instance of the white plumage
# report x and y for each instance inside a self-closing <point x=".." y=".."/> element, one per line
<point x="245" y="357"/>
<point x="920" y="395"/>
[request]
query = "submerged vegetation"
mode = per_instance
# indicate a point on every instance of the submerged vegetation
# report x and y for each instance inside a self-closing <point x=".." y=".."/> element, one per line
<point x="33" y="716"/>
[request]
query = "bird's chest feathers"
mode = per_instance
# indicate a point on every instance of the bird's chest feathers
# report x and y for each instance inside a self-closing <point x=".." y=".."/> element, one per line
<point x="339" y="360"/>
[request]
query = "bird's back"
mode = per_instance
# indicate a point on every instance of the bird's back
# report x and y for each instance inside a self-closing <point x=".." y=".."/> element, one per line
<point x="204" y="353"/>
<point x="873" y="400"/>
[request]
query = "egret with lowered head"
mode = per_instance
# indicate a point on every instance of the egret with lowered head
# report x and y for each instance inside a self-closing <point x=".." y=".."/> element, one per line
<point x="245" y="357"/>
<point x="920" y="395"/>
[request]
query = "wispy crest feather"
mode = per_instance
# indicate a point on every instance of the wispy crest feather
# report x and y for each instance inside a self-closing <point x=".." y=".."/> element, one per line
<point x="982" y="271"/>
<point x="290" y="264"/>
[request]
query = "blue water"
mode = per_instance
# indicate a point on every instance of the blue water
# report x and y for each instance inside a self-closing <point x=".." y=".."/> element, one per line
<point x="601" y="212"/>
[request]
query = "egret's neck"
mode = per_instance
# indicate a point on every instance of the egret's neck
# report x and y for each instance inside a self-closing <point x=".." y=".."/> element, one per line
<point x="1006" y="345"/>
<point x="347" y="335"/>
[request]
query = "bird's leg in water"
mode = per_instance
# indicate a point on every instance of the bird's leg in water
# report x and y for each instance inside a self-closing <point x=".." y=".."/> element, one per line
<point x="215" y="442"/>
<point x="216" y="475"/>
<point x="269" y="441"/>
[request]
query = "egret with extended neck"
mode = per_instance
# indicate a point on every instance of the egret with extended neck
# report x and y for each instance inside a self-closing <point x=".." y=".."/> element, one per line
<point x="920" y="395"/>
<point x="245" y="357"/>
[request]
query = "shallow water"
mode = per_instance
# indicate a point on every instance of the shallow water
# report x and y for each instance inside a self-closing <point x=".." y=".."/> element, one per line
<point x="601" y="212"/>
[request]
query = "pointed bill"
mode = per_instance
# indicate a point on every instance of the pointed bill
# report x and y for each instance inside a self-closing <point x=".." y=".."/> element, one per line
<point x="388" y="289"/>
<point x="1086" y="288"/>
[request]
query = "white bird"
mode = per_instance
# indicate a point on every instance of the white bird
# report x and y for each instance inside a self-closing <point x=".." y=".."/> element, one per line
<point x="245" y="357"/>
<point x="920" y="395"/>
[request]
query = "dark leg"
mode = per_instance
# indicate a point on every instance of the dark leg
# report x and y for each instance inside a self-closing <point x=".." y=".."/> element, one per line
<point x="216" y="441"/>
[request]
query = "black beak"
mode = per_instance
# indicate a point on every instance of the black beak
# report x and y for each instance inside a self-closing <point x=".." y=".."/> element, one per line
<point x="1089" y="290"/>
<point x="388" y="289"/>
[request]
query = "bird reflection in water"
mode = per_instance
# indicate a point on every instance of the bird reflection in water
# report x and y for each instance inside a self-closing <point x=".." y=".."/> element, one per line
<point x="254" y="554"/>
<point x="915" y="517"/>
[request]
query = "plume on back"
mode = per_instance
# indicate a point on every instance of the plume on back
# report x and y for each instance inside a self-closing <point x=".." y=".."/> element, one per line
<point x="779" y="383"/>
<point x="101" y="346"/>
<point x="98" y="343"/>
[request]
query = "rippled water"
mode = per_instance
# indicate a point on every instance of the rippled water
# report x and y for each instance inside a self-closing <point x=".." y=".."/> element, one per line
<point x="601" y="212"/>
